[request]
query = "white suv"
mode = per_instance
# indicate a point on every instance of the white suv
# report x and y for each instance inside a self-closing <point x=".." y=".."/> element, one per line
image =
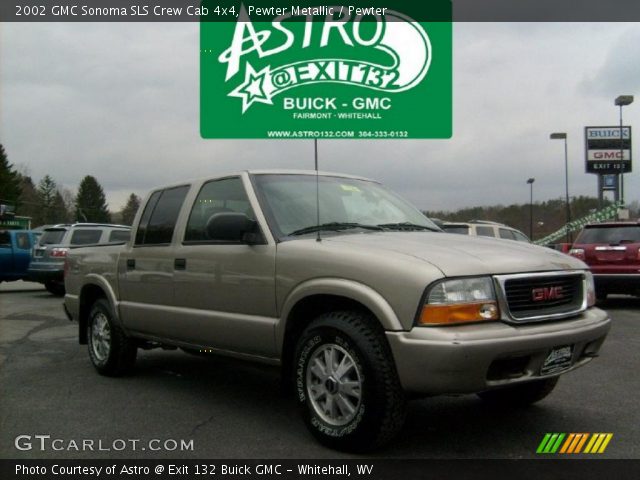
<point x="47" y="258"/>
<point x="483" y="228"/>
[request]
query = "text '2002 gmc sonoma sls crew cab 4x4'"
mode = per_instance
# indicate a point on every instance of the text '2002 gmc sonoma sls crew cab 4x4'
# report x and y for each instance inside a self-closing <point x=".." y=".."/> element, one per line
<point x="356" y="295"/>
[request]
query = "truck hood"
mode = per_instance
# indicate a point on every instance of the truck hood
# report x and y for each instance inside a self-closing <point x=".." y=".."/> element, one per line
<point x="461" y="255"/>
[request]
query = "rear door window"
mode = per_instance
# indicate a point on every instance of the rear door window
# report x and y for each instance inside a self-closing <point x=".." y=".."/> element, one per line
<point x="85" y="236"/>
<point x="163" y="217"/>
<point x="485" y="231"/>
<point x="119" y="236"/>
<point x="146" y="216"/>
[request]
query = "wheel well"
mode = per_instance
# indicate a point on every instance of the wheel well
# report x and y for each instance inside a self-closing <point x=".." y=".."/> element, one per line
<point x="88" y="296"/>
<point x="302" y="314"/>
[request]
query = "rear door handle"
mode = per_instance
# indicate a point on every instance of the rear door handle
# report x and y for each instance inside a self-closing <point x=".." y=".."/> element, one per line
<point x="180" y="264"/>
<point x="131" y="263"/>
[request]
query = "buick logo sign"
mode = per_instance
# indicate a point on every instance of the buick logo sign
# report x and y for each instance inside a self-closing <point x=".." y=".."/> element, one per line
<point x="547" y="293"/>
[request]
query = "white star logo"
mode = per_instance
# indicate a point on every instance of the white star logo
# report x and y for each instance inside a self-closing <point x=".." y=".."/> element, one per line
<point x="254" y="89"/>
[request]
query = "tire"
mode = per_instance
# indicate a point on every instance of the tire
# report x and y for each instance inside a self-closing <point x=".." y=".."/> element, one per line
<point x="520" y="395"/>
<point x="112" y="353"/>
<point x="360" y="405"/>
<point x="55" y="288"/>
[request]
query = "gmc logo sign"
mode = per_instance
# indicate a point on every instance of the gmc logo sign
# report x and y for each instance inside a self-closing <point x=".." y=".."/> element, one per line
<point x="606" y="155"/>
<point x="546" y="293"/>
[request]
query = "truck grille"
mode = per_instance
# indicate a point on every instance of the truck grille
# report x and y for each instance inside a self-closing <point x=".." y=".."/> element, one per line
<point x="536" y="296"/>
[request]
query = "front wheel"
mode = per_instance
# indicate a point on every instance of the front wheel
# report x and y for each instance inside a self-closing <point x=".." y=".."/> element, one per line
<point x="112" y="353"/>
<point x="520" y="395"/>
<point x="346" y="382"/>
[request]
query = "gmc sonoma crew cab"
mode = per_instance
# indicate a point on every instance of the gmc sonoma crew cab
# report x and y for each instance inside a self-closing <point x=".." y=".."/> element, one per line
<point x="355" y="294"/>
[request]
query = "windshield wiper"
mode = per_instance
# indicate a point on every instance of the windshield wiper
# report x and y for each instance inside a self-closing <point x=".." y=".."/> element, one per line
<point x="406" y="226"/>
<point x="334" y="226"/>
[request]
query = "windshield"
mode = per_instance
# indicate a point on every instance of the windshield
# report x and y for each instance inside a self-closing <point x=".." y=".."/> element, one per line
<point x="345" y="203"/>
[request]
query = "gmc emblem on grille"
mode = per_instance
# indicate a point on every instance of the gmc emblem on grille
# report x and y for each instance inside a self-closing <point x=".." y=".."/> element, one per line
<point x="547" y="293"/>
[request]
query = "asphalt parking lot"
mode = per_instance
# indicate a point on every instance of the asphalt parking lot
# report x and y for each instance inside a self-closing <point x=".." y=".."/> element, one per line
<point x="234" y="409"/>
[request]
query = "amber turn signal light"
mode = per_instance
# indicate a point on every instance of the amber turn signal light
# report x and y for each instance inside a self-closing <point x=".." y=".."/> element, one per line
<point x="459" y="313"/>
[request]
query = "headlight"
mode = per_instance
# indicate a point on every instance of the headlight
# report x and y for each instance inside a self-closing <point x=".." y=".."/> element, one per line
<point x="462" y="300"/>
<point x="591" y="289"/>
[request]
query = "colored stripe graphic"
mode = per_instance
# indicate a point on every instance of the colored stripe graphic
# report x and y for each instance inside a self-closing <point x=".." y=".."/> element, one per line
<point x="543" y="443"/>
<point x="574" y="443"/>
<point x="550" y="443"/>
<point x="567" y="444"/>
<point x="598" y="443"/>
<point x="581" y="443"/>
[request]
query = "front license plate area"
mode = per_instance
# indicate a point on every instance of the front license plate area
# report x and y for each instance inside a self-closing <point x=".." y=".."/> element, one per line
<point x="558" y="360"/>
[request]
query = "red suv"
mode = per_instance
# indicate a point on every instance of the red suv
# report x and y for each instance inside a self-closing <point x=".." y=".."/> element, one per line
<point x="612" y="251"/>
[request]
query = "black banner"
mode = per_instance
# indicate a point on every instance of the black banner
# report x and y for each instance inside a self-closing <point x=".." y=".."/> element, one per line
<point x="544" y="469"/>
<point x="226" y="10"/>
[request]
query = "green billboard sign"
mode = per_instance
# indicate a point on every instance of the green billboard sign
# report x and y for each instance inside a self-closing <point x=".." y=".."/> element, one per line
<point x="356" y="72"/>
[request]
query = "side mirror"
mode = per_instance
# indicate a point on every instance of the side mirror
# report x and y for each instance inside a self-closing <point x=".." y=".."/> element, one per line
<point x="233" y="227"/>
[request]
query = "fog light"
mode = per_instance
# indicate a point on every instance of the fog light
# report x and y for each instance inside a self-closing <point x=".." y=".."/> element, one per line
<point x="488" y="311"/>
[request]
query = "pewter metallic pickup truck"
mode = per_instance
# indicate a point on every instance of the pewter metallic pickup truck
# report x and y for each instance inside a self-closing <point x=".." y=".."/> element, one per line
<point x="357" y="296"/>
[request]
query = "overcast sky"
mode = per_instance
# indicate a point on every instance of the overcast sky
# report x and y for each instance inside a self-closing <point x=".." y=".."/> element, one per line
<point x="120" y="101"/>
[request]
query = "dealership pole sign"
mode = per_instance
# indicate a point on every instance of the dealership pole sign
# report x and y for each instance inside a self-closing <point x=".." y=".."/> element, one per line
<point x="361" y="71"/>
<point x="607" y="150"/>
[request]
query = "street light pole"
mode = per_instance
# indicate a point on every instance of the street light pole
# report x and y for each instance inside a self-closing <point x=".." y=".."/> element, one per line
<point x="622" y="101"/>
<point x="530" y="182"/>
<point x="563" y="136"/>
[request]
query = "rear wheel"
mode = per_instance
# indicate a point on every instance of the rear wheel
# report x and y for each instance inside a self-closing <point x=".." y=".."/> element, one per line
<point x="55" y="288"/>
<point x="111" y="351"/>
<point x="346" y="382"/>
<point x="520" y="395"/>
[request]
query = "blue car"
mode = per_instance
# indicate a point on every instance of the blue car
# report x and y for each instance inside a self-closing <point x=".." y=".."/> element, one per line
<point x="15" y="253"/>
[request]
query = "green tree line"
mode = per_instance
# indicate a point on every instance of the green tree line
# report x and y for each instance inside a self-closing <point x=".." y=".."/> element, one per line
<point x="48" y="203"/>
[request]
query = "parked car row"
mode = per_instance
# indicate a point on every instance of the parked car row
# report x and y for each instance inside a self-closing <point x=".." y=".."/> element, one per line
<point x="611" y="249"/>
<point x="39" y="256"/>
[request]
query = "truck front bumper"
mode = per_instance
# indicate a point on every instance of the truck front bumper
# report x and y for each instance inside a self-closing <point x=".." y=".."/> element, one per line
<point x="478" y="357"/>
